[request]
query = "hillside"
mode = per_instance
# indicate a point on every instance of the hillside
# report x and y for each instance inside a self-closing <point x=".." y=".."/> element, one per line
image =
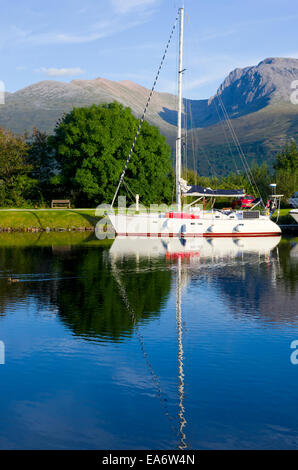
<point x="41" y="104"/>
<point x="257" y="99"/>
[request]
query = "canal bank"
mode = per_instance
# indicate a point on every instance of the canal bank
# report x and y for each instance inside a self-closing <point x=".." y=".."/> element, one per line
<point x="39" y="220"/>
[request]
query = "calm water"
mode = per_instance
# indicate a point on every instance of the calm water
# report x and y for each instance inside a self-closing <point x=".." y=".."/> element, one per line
<point x="151" y="346"/>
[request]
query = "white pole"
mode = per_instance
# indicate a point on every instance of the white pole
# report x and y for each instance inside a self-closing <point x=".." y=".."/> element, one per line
<point x="178" y="145"/>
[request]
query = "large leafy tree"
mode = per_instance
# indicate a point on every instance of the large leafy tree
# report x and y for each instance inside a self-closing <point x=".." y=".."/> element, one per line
<point x="15" y="182"/>
<point x="91" y="146"/>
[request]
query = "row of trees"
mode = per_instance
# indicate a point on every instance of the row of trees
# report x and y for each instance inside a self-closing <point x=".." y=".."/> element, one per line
<point x="85" y="156"/>
<point x="256" y="181"/>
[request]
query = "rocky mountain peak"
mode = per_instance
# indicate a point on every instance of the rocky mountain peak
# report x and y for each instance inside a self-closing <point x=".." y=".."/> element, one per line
<point x="248" y="89"/>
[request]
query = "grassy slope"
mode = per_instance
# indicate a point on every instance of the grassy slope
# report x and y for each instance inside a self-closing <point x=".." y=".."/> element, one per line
<point x="261" y="135"/>
<point x="66" y="219"/>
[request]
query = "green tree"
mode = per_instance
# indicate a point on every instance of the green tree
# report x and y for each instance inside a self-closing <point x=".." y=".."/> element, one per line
<point x="91" y="146"/>
<point x="43" y="164"/>
<point x="286" y="168"/>
<point x="15" y="183"/>
<point x="287" y="159"/>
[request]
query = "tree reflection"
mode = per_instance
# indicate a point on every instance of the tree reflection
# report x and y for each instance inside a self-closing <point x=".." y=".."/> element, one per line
<point x="79" y="283"/>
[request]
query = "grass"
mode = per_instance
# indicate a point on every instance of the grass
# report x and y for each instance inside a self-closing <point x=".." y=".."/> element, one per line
<point x="67" y="219"/>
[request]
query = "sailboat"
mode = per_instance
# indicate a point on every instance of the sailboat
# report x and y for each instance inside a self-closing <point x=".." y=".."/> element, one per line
<point x="191" y="220"/>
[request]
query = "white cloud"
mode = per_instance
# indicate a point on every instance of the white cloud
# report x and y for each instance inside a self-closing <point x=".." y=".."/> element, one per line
<point x="203" y="80"/>
<point x="62" y="72"/>
<point x="100" y="30"/>
<point x="125" y="6"/>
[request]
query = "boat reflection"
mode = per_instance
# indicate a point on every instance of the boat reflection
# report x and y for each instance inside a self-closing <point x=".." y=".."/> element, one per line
<point x="196" y="248"/>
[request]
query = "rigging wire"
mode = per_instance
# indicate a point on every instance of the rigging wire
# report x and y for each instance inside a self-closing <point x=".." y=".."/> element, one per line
<point x="145" y="109"/>
<point x="129" y="191"/>
<point x="239" y="148"/>
<point x="211" y="167"/>
<point x="226" y="138"/>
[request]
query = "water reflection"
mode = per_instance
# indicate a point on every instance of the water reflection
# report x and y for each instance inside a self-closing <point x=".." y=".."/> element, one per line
<point x="196" y="323"/>
<point x="77" y="280"/>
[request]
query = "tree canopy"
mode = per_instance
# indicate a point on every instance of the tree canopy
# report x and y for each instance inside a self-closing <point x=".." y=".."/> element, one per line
<point x="286" y="167"/>
<point x="43" y="164"/>
<point x="287" y="159"/>
<point x="91" y="146"/>
<point x="15" y="182"/>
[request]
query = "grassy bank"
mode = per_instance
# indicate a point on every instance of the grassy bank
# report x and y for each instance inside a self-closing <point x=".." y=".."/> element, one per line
<point x="39" y="220"/>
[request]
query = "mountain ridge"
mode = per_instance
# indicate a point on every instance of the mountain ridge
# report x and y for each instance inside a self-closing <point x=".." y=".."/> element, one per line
<point x="256" y="98"/>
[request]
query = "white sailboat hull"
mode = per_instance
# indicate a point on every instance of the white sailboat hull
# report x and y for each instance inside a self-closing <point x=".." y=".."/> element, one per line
<point x="213" y="224"/>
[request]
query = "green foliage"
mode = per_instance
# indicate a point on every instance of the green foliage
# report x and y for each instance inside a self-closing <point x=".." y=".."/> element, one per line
<point x="287" y="159"/>
<point x="43" y="163"/>
<point x="257" y="184"/>
<point x="15" y="181"/>
<point x="286" y="167"/>
<point x="91" y="146"/>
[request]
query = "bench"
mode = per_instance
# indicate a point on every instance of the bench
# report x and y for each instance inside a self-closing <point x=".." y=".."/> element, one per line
<point x="60" y="204"/>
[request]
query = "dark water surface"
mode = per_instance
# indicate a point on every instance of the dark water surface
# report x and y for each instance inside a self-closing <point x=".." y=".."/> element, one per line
<point x="148" y="345"/>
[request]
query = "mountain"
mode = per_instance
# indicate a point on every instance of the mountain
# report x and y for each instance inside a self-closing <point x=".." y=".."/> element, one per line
<point x="42" y="104"/>
<point x="256" y="99"/>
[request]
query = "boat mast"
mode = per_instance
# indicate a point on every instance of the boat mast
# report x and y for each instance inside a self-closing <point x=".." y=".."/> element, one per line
<point x="178" y="141"/>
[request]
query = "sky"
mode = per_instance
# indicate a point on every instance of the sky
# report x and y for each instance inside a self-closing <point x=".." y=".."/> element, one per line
<point x="124" y="40"/>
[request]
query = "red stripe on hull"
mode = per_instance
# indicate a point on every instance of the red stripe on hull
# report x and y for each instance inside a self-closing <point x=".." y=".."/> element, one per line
<point x="205" y="234"/>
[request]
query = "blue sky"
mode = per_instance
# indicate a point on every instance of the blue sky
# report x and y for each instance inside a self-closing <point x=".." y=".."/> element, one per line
<point x="124" y="40"/>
